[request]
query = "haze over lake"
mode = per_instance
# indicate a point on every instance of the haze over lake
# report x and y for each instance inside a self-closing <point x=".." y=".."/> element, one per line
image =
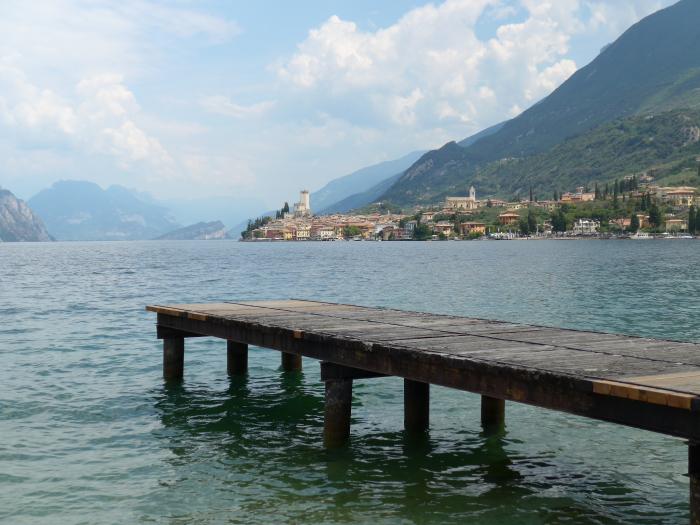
<point x="90" y="434"/>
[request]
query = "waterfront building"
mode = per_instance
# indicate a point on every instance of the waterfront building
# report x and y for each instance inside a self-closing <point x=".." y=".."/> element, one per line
<point x="463" y="203"/>
<point x="323" y="232"/>
<point x="508" y="218"/>
<point x="623" y="223"/>
<point x="473" y="227"/>
<point x="301" y="232"/>
<point x="444" y="227"/>
<point x="676" y="225"/>
<point x="586" y="226"/>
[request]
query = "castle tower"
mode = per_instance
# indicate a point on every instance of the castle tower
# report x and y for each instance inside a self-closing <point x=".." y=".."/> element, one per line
<point x="472" y="193"/>
<point x="305" y="200"/>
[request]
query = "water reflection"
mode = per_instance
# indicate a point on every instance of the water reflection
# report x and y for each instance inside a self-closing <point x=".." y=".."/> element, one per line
<point x="265" y="434"/>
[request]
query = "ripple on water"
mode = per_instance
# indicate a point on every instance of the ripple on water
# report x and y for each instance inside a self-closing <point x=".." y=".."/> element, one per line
<point x="91" y="434"/>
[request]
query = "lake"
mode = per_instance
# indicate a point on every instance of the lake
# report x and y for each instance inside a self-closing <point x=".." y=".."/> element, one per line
<point x="89" y="433"/>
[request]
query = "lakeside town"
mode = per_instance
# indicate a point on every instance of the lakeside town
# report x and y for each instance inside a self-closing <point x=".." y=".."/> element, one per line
<point x="632" y="207"/>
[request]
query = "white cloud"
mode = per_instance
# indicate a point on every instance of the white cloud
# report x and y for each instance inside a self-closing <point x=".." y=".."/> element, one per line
<point x="402" y="109"/>
<point x="31" y="108"/>
<point x="222" y="105"/>
<point x="131" y="144"/>
<point x="430" y="66"/>
<point x="615" y="16"/>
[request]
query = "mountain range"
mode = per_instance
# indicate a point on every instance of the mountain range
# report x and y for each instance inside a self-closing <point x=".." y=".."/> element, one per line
<point x="635" y="108"/>
<point x="652" y="69"/>
<point x="83" y="211"/>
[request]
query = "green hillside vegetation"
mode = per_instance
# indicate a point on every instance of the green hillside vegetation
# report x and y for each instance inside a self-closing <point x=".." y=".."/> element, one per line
<point x="666" y="145"/>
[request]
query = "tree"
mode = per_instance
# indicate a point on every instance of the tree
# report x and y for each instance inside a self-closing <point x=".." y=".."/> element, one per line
<point x="634" y="223"/>
<point x="616" y="192"/>
<point x="559" y="221"/>
<point x="654" y="215"/>
<point x="531" y="221"/>
<point x="524" y="227"/>
<point x="531" y="199"/>
<point x="351" y="231"/>
<point x="489" y="204"/>
<point x="692" y="220"/>
<point x="422" y="232"/>
<point x="555" y="196"/>
<point x="285" y="208"/>
<point x="596" y="190"/>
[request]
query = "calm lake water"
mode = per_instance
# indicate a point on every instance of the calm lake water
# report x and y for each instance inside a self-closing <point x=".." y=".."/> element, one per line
<point x="90" y="434"/>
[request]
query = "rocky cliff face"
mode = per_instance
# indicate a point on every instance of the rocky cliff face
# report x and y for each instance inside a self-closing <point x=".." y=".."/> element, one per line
<point x="18" y="222"/>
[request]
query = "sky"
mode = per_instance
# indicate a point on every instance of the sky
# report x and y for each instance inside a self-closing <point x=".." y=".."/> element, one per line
<point x="256" y="100"/>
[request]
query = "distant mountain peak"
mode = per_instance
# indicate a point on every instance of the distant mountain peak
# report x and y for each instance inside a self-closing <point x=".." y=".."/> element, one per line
<point x="82" y="210"/>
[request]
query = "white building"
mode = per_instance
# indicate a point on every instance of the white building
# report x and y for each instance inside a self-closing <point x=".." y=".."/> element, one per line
<point x="586" y="226"/>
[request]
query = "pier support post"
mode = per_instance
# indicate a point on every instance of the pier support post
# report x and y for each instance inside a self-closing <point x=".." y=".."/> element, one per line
<point x="336" y="422"/>
<point x="416" y="400"/>
<point x="173" y="358"/>
<point x="493" y="413"/>
<point x="694" y="475"/>
<point x="338" y="379"/>
<point x="236" y="358"/>
<point x="291" y="362"/>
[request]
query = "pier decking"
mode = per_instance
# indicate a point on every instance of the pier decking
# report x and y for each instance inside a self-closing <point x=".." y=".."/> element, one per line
<point x="644" y="383"/>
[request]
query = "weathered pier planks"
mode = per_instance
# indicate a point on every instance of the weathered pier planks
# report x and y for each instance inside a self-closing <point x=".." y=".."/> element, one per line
<point x="639" y="382"/>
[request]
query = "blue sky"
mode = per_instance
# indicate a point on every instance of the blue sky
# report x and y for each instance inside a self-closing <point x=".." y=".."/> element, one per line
<point x="255" y="100"/>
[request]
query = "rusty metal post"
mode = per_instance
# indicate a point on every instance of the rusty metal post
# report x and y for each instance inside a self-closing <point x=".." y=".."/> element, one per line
<point x="416" y="401"/>
<point x="694" y="476"/>
<point x="291" y="362"/>
<point x="236" y="358"/>
<point x="493" y="413"/>
<point x="173" y="358"/>
<point x="336" y="422"/>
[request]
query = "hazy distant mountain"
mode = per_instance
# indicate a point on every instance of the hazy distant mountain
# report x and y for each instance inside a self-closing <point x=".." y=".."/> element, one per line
<point x="359" y="181"/>
<point x="653" y="67"/>
<point x="202" y="231"/>
<point x="361" y="199"/>
<point x="18" y="222"/>
<point x="80" y="210"/>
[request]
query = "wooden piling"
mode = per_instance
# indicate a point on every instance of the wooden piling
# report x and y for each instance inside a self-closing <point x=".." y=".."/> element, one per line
<point x="416" y="399"/>
<point x="642" y="383"/>
<point x="694" y="476"/>
<point x="236" y="358"/>
<point x="493" y="413"/>
<point x="173" y="358"/>
<point x="336" y="423"/>
<point x="291" y="362"/>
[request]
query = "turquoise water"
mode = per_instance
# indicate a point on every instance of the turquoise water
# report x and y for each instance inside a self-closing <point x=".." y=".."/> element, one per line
<point x="90" y="434"/>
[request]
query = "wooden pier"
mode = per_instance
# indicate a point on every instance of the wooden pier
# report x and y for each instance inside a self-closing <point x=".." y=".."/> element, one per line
<point x="644" y="383"/>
